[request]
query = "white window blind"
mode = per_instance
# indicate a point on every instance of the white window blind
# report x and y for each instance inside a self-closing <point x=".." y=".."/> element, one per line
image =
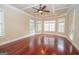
<point x="38" y="26"/>
<point x="61" y="25"/>
<point x="31" y="26"/>
<point x="49" y="25"/>
<point x="2" y="23"/>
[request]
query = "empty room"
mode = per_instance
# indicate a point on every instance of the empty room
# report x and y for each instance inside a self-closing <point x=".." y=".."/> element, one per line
<point x="39" y="29"/>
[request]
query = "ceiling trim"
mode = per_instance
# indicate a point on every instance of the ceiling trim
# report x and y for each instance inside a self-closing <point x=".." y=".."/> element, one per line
<point x="56" y="16"/>
<point x="52" y="8"/>
<point x="61" y="8"/>
<point x="25" y="13"/>
<point x="28" y="7"/>
<point x="17" y="9"/>
<point x="70" y="9"/>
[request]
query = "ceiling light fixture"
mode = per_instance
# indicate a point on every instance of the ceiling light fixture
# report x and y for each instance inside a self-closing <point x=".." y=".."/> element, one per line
<point x="41" y="9"/>
<point x="40" y="12"/>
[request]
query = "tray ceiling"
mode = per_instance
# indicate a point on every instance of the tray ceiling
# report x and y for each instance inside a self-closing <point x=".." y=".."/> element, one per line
<point x="55" y="9"/>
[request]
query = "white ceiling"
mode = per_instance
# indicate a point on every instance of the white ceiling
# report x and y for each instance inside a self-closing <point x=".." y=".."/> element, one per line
<point x="55" y="9"/>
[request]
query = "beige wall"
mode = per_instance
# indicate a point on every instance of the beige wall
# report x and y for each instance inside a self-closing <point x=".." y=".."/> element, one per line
<point x="73" y="18"/>
<point x="76" y="39"/>
<point x="16" y="24"/>
<point x="70" y="20"/>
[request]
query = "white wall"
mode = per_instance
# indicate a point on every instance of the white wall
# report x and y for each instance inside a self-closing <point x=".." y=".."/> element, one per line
<point x="16" y="24"/>
<point x="73" y="17"/>
<point x="76" y="39"/>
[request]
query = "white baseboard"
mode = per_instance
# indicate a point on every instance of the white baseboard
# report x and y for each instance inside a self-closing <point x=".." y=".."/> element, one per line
<point x="56" y="34"/>
<point x="76" y="46"/>
<point x="20" y="38"/>
<point x="12" y="40"/>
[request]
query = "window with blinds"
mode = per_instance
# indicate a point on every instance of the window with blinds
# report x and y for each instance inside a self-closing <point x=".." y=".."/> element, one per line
<point x="38" y="26"/>
<point x="2" y="23"/>
<point x="31" y="26"/>
<point x="49" y="26"/>
<point x="61" y="25"/>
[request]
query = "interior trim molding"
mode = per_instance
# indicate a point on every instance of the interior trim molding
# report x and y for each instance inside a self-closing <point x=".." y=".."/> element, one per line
<point x="29" y="7"/>
<point x="25" y="13"/>
<point x="12" y="40"/>
<point x="76" y="46"/>
<point x="20" y="38"/>
<point x="17" y="9"/>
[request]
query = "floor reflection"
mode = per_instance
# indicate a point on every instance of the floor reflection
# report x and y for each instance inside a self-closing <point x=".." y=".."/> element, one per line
<point x="45" y="41"/>
<point x="60" y="44"/>
<point x="41" y="45"/>
<point x="39" y="41"/>
<point x="54" y="43"/>
<point x="51" y="42"/>
<point x="70" y="49"/>
<point x="31" y="43"/>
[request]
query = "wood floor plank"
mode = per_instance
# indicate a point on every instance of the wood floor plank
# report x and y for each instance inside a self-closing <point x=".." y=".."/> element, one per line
<point x="40" y="45"/>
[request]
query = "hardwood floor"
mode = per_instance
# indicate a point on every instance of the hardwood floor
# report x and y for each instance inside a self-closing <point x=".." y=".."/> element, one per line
<point x="40" y="45"/>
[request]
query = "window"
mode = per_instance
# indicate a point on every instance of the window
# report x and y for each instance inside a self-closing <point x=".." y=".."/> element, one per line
<point x="52" y="26"/>
<point x="31" y="26"/>
<point x="46" y="26"/>
<point x="61" y="25"/>
<point x="2" y="23"/>
<point x="49" y="25"/>
<point x="35" y="26"/>
<point x="38" y="26"/>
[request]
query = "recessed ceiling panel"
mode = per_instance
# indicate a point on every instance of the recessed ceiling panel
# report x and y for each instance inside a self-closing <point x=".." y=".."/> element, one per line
<point x="55" y="9"/>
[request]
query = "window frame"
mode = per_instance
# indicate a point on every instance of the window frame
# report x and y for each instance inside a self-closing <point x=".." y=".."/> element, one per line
<point x="49" y="23"/>
<point x="59" y="21"/>
<point x="2" y="23"/>
<point x="36" y="26"/>
<point x="30" y="22"/>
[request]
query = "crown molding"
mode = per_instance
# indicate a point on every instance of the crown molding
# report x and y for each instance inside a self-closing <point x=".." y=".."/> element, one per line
<point x="17" y="9"/>
<point x="56" y="16"/>
<point x="70" y="8"/>
<point x="61" y="8"/>
<point x="28" y="7"/>
<point x="52" y="8"/>
<point x="7" y="5"/>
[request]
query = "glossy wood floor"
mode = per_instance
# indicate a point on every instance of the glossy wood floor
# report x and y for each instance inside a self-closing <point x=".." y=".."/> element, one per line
<point x="40" y="45"/>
